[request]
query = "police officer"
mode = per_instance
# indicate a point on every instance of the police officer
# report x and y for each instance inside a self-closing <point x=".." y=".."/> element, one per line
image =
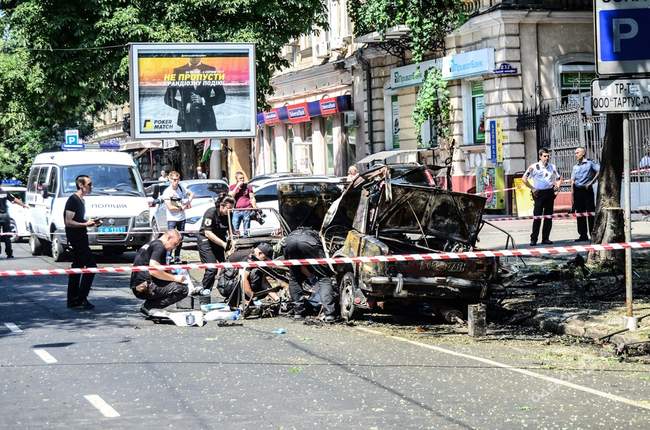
<point x="304" y="242"/>
<point x="584" y="173"/>
<point x="545" y="186"/>
<point x="213" y="237"/>
<point x="5" y="221"/>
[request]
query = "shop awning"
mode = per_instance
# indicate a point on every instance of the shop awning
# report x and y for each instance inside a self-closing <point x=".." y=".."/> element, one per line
<point x="142" y="144"/>
<point x="303" y="112"/>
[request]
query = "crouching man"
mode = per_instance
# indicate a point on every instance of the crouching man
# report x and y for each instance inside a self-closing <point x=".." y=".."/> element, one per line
<point x="254" y="279"/>
<point x="158" y="288"/>
<point x="305" y="243"/>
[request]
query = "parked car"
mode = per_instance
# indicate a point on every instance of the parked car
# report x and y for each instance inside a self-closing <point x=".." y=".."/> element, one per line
<point x="205" y="191"/>
<point x="396" y="210"/>
<point x="19" y="216"/>
<point x="261" y="180"/>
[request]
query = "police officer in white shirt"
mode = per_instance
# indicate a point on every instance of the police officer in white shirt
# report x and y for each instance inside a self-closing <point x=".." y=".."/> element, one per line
<point x="545" y="187"/>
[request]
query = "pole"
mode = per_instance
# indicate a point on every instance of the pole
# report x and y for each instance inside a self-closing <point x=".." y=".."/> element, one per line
<point x="630" y="320"/>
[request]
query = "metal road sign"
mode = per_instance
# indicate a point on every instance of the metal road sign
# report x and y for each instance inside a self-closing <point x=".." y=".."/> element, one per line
<point x="72" y="141"/>
<point x="620" y="95"/>
<point x="622" y="30"/>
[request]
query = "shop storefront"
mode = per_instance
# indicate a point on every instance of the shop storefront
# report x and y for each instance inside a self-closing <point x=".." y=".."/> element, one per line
<point x="311" y="137"/>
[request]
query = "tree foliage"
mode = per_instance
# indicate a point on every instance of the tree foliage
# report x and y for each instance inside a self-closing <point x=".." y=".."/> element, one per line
<point x="429" y="21"/>
<point x="63" y="61"/>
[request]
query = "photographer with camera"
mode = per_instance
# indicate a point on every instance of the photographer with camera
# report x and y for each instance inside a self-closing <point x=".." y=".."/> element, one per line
<point x="213" y="237"/>
<point x="176" y="199"/>
<point x="244" y="199"/>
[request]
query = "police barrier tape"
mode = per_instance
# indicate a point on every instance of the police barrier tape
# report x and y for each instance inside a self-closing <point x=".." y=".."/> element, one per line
<point x="470" y="255"/>
<point x="558" y="215"/>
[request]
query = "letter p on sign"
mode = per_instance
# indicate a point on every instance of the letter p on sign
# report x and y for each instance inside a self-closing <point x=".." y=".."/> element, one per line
<point x="623" y="28"/>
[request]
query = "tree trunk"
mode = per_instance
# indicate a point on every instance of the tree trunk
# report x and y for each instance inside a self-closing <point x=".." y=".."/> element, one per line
<point x="609" y="223"/>
<point x="188" y="158"/>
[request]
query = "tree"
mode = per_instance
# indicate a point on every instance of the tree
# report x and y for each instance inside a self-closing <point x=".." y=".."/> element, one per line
<point x="429" y="22"/>
<point x="78" y="47"/>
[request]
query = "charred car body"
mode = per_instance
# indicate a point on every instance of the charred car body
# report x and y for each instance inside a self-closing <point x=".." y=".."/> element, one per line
<point x="397" y="209"/>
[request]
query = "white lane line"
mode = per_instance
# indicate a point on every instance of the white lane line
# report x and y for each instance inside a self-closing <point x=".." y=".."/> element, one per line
<point x="45" y="356"/>
<point x="551" y="379"/>
<point x="13" y="327"/>
<point x="102" y="406"/>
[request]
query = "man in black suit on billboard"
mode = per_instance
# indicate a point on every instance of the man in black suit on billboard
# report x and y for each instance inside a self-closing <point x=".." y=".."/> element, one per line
<point x="194" y="98"/>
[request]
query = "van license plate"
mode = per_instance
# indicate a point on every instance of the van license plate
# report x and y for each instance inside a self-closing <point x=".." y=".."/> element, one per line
<point x="111" y="229"/>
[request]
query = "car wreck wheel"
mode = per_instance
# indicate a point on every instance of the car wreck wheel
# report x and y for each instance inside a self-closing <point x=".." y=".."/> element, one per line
<point x="348" y="289"/>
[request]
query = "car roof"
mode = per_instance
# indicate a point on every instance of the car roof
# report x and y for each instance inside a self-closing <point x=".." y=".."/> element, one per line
<point x="71" y="158"/>
<point x="305" y="179"/>
<point x="203" y="181"/>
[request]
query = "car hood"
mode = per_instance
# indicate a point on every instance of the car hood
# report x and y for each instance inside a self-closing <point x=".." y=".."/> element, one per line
<point x="440" y="213"/>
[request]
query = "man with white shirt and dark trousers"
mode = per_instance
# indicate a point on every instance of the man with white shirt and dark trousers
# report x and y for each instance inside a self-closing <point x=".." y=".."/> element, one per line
<point x="176" y="199"/>
<point x="545" y="186"/>
<point x="584" y="173"/>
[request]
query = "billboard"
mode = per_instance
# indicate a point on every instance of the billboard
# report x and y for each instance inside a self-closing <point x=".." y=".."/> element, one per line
<point x="192" y="90"/>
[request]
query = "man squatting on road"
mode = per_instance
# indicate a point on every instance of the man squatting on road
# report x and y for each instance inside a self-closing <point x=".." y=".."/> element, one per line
<point x="158" y="288"/>
<point x="546" y="185"/>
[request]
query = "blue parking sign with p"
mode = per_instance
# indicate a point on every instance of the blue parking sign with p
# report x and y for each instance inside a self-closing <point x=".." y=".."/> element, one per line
<point x="624" y="34"/>
<point x="72" y="142"/>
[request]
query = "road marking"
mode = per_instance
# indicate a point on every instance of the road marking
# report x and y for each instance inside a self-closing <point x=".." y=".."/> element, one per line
<point x="551" y="379"/>
<point x="102" y="406"/>
<point x="13" y="327"/>
<point x="45" y="356"/>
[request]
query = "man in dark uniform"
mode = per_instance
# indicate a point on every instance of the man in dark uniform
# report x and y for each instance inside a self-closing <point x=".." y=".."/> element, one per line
<point x="304" y="242"/>
<point x="5" y="221"/>
<point x="76" y="232"/>
<point x="158" y="288"/>
<point x="213" y="237"/>
<point x="195" y="102"/>
<point x="254" y="280"/>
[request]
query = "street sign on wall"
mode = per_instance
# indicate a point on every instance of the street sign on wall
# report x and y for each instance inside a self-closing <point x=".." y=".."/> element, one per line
<point x="622" y="30"/>
<point x="620" y="95"/>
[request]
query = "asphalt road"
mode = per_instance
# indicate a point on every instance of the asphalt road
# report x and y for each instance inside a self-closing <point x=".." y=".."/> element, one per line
<point x="109" y="368"/>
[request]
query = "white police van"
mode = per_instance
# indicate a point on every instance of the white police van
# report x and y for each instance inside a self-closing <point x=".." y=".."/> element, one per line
<point x="117" y="198"/>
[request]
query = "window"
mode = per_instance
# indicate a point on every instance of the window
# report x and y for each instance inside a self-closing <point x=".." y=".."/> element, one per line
<point x="351" y="146"/>
<point x="329" y="144"/>
<point x="31" y="181"/>
<point x="108" y="179"/>
<point x="42" y="179"/>
<point x="575" y="82"/>
<point x="478" y="112"/>
<point x="267" y="193"/>
<point x="290" y="139"/>
<point x="53" y="182"/>
<point x="274" y="163"/>
<point x="204" y="190"/>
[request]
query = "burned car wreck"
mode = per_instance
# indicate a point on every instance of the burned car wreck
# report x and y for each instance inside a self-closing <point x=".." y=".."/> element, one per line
<point x="398" y="209"/>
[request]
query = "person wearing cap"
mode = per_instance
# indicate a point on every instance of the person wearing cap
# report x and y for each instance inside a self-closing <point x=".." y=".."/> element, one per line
<point x="253" y="279"/>
<point x="194" y="92"/>
<point x="213" y="238"/>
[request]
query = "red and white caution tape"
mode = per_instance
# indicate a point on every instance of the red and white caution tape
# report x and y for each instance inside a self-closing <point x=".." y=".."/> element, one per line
<point x="527" y="252"/>
<point x="557" y="215"/>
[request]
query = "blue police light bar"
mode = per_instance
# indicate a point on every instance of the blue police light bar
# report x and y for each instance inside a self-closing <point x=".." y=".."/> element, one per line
<point x="11" y="182"/>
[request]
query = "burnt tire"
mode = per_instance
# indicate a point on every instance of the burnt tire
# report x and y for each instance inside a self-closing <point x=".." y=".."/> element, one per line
<point x="347" y="295"/>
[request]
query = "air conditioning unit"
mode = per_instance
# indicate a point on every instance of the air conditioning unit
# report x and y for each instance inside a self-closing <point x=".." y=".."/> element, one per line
<point x="350" y="119"/>
<point x="321" y="50"/>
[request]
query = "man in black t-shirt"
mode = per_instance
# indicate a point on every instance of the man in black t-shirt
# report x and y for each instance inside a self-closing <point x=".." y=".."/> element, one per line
<point x="158" y="288"/>
<point x="213" y="238"/>
<point x="5" y="221"/>
<point x="76" y="232"/>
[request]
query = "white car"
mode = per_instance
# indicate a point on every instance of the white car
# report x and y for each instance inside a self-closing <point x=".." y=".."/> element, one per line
<point x="204" y="190"/>
<point x="18" y="214"/>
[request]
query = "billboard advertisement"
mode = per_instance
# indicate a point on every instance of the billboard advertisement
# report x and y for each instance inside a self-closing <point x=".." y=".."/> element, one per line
<point x="192" y="90"/>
